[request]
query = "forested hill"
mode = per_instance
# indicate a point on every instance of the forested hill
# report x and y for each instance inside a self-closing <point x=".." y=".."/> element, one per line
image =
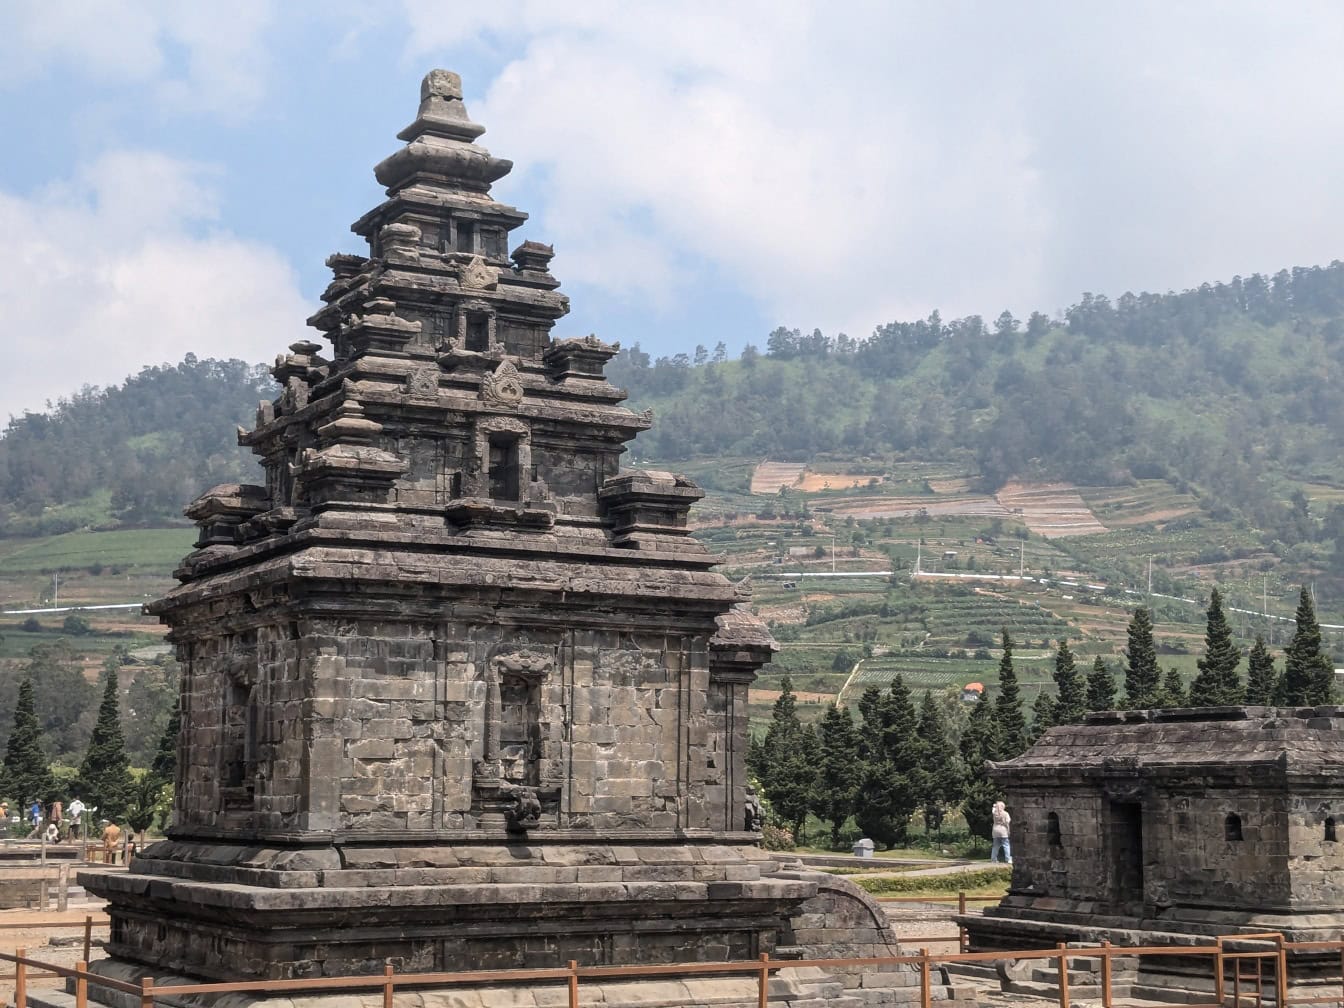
<point x="1221" y="388"/>
<point x="1232" y="390"/>
<point x="131" y="454"/>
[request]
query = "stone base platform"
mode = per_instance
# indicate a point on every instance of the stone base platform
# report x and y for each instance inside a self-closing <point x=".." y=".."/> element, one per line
<point x="192" y="912"/>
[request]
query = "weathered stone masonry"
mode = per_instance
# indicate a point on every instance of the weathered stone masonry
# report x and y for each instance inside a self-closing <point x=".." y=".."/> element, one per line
<point x="458" y="693"/>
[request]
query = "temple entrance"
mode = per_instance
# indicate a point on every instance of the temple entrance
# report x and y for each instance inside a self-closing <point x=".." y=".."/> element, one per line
<point x="1126" y="822"/>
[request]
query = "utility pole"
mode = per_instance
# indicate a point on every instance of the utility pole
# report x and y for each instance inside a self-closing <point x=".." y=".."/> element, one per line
<point x="1150" y="575"/>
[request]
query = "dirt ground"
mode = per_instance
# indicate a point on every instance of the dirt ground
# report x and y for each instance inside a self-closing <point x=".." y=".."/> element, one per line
<point x="48" y="936"/>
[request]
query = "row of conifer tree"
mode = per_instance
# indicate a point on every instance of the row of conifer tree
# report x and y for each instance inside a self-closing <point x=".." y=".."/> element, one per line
<point x="901" y="758"/>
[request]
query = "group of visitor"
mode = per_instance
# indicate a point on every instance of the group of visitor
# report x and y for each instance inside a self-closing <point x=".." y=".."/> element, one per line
<point x="61" y="823"/>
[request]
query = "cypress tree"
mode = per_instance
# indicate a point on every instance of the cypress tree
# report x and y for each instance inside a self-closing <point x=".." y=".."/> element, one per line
<point x="1100" y="687"/>
<point x="1172" y="691"/>
<point x="893" y="784"/>
<point x="1141" y="674"/>
<point x="1217" y="683"/>
<point x="1261" y="679"/>
<point x="1071" y="691"/>
<point x="105" y="776"/>
<point x="944" y="775"/>
<point x="840" y="771"/>
<point x="979" y="743"/>
<point x="1308" y="675"/>
<point x="164" y="767"/>
<point x="25" y="772"/>
<point x="1012" y="725"/>
<point x="1044" y="714"/>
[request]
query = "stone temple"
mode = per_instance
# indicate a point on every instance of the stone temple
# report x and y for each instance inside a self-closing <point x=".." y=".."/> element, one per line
<point x="458" y="692"/>
<point x="1171" y="826"/>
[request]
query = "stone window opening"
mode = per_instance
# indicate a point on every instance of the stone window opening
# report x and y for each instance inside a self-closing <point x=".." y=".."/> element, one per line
<point x="504" y="482"/>
<point x="478" y="332"/>
<point x="1052" y="830"/>
<point x="466" y="236"/>
<point x="1232" y="827"/>
<point x="1330" y="829"/>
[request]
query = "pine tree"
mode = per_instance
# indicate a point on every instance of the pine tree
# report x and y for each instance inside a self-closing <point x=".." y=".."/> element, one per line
<point x="1141" y="673"/>
<point x="1070" y="689"/>
<point x="893" y="785"/>
<point x="164" y="767"/>
<point x="1261" y="679"/>
<point x="1044" y="714"/>
<point x="1172" y="691"/>
<point x="840" y="771"/>
<point x="944" y="775"/>
<point x="979" y="744"/>
<point x="1217" y="683"/>
<point x="1100" y="687"/>
<point x="25" y="773"/>
<point x="1308" y="675"/>
<point x="1008" y="715"/>
<point x="105" y="776"/>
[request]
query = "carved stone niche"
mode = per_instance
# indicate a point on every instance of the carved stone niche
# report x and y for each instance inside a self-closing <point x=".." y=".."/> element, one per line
<point x="517" y="778"/>
<point x="240" y="726"/>
<point x="499" y="487"/>
<point x="473" y="339"/>
<point x="649" y="509"/>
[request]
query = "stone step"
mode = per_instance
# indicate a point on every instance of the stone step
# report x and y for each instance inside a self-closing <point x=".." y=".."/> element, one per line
<point x="982" y="971"/>
<point x="1050" y="990"/>
<point x="1050" y="974"/>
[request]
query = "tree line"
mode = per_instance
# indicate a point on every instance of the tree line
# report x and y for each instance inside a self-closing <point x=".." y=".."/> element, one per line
<point x="900" y="758"/>
<point x="104" y="778"/>
<point x="150" y="445"/>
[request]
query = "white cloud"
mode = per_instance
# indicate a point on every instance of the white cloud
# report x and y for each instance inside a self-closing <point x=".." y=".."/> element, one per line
<point x="849" y="163"/>
<point x="120" y="267"/>
<point x="198" y="58"/>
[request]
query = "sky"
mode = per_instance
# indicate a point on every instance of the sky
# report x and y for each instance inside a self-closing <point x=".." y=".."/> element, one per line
<point x="173" y="176"/>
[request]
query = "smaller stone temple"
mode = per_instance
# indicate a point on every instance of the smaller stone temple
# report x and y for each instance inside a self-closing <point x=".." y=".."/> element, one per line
<point x="1162" y="826"/>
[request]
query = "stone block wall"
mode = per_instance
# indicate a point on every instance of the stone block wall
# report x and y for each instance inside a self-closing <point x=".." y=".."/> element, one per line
<point x="376" y="725"/>
<point x="1070" y="865"/>
<point x="1316" y="849"/>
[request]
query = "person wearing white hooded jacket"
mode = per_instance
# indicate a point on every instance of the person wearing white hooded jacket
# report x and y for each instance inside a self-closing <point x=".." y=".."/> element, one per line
<point x="998" y="834"/>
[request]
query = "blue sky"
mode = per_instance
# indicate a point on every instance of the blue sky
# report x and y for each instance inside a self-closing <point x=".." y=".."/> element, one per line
<point x="175" y="174"/>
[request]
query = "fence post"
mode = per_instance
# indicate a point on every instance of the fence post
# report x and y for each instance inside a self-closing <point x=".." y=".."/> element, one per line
<point x="573" y="983"/>
<point x="961" y="928"/>
<point x="146" y="992"/>
<point x="81" y="985"/>
<point x="1219" y="968"/>
<point x="1282" y="970"/>
<point x="1063" y="974"/>
<point x="763" y="982"/>
<point x="20" y="979"/>
<point x="925" y="983"/>
<point x="1106" y="974"/>
<point x="63" y="889"/>
<point x="387" y="985"/>
<point x="88" y="936"/>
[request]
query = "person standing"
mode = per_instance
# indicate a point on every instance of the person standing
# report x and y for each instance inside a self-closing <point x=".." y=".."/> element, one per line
<point x="111" y="838"/>
<point x="998" y="834"/>
<point x="77" y="818"/>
